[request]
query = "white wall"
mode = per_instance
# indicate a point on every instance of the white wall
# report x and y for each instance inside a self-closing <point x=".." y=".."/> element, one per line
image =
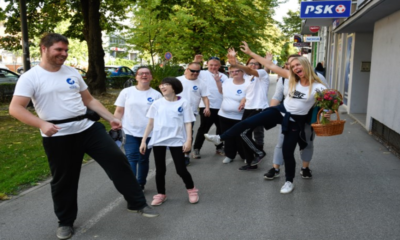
<point x="384" y="89"/>
<point x="358" y="90"/>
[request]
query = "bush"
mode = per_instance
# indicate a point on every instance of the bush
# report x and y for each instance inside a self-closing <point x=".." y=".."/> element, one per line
<point x="159" y="73"/>
<point x="6" y="91"/>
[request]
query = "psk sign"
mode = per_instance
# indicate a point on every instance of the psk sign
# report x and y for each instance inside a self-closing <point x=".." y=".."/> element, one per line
<point x="325" y="9"/>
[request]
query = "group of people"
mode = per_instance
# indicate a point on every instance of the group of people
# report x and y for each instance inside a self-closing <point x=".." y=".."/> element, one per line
<point x="237" y="105"/>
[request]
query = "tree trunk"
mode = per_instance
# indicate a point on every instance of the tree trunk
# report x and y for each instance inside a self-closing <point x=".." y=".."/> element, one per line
<point x="96" y="76"/>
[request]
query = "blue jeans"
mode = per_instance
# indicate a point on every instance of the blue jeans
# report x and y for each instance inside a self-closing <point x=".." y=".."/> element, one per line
<point x="139" y="163"/>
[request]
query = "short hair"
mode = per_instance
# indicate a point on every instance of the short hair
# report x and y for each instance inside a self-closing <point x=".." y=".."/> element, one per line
<point x="194" y="63"/>
<point x="49" y="39"/>
<point x="175" y="84"/>
<point x="142" y="67"/>
<point x="293" y="56"/>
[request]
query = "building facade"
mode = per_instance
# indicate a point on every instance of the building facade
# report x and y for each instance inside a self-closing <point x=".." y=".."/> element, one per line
<point x="361" y="55"/>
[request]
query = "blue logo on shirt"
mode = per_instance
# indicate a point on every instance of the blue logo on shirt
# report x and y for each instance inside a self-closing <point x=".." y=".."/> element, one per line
<point x="180" y="109"/>
<point x="195" y="88"/>
<point x="239" y="91"/>
<point x="70" y="81"/>
<point x="150" y="99"/>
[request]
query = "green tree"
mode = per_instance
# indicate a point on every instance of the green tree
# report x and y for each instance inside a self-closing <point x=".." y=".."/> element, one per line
<point x="291" y="24"/>
<point x="192" y="27"/>
<point x="88" y="20"/>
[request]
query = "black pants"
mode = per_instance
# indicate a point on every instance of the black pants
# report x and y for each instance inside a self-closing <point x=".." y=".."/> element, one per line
<point x="161" y="168"/>
<point x="65" y="155"/>
<point x="269" y="118"/>
<point x="247" y="136"/>
<point x="205" y="125"/>
<point x="231" y="145"/>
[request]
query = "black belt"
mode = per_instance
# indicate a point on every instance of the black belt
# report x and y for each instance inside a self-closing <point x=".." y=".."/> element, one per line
<point x="90" y="114"/>
<point x="78" y="118"/>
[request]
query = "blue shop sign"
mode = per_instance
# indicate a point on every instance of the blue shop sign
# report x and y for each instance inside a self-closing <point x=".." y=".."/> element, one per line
<point x="325" y="9"/>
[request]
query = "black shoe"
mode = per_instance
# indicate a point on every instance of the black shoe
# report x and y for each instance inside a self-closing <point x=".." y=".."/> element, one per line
<point x="258" y="159"/>
<point x="187" y="161"/>
<point x="272" y="173"/>
<point x="247" y="167"/>
<point x="145" y="212"/>
<point x="65" y="232"/>
<point x="305" y="173"/>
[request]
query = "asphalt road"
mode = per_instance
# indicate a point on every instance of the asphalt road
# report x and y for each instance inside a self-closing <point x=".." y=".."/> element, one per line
<point x="354" y="194"/>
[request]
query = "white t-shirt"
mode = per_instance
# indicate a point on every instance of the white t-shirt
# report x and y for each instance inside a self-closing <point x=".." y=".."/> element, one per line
<point x="299" y="102"/>
<point x="193" y="91"/>
<point x="56" y="96"/>
<point x="136" y="103"/>
<point x="282" y="89"/>
<point x="215" y="97"/>
<point x="257" y="91"/>
<point x="169" y="122"/>
<point x="232" y="95"/>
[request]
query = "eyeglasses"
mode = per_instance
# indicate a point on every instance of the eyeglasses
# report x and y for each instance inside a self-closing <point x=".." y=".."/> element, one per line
<point x="235" y="71"/>
<point x="255" y="64"/>
<point x="144" y="73"/>
<point x="286" y="63"/>
<point x="194" y="71"/>
<point x="214" y="58"/>
<point x="164" y="85"/>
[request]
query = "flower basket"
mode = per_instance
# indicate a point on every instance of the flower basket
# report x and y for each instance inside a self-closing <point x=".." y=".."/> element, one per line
<point x="334" y="127"/>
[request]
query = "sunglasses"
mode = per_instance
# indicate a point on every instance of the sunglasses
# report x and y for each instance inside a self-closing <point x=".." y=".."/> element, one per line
<point x="255" y="64"/>
<point x="214" y="58"/>
<point x="194" y="71"/>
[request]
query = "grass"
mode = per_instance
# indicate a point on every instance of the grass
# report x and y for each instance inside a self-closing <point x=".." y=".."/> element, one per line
<point x="23" y="162"/>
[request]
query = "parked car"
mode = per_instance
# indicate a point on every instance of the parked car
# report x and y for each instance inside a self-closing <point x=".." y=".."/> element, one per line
<point x="135" y="68"/>
<point x="7" y="76"/>
<point x="21" y="70"/>
<point x="117" y="71"/>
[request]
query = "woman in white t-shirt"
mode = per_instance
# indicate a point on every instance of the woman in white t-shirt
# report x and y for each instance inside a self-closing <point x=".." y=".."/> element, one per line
<point x="132" y="106"/>
<point x="292" y="114"/>
<point x="256" y="101"/>
<point x="230" y="113"/>
<point x="170" y="121"/>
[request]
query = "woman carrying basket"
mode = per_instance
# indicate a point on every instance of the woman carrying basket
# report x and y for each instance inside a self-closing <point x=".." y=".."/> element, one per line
<point x="292" y="114"/>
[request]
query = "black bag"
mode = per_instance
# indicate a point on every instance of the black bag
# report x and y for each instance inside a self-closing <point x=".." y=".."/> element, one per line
<point x="92" y="115"/>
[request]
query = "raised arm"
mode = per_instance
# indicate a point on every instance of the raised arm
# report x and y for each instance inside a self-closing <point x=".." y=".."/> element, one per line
<point x="235" y="63"/>
<point x="267" y="61"/>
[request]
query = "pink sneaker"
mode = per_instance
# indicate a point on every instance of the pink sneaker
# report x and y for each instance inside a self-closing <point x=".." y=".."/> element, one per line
<point x="193" y="195"/>
<point x="158" y="199"/>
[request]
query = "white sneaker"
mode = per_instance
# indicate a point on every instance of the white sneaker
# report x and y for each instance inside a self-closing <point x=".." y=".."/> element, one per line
<point x="213" y="138"/>
<point x="227" y="160"/>
<point x="287" y="187"/>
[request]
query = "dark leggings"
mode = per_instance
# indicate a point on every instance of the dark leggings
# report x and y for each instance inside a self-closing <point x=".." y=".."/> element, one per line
<point x="249" y="146"/>
<point x="161" y="168"/>
<point x="269" y="118"/>
<point x="65" y="154"/>
<point x="205" y="125"/>
<point x="232" y="145"/>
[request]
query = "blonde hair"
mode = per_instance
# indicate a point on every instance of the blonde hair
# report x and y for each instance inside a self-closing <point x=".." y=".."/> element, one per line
<point x="308" y="74"/>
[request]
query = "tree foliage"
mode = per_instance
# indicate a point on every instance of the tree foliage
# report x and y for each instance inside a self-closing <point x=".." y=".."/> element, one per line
<point x="291" y="24"/>
<point x="189" y="27"/>
<point x="88" y="19"/>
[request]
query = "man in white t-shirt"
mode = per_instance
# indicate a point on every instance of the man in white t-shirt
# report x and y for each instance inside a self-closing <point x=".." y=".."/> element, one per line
<point x="194" y="91"/>
<point x="61" y="99"/>
<point x="210" y="77"/>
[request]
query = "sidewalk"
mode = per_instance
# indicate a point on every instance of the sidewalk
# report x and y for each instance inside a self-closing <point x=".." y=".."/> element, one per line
<point x="354" y="194"/>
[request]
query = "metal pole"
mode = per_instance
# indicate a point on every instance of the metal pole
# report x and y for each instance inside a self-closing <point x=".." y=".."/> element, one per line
<point x="24" y="29"/>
